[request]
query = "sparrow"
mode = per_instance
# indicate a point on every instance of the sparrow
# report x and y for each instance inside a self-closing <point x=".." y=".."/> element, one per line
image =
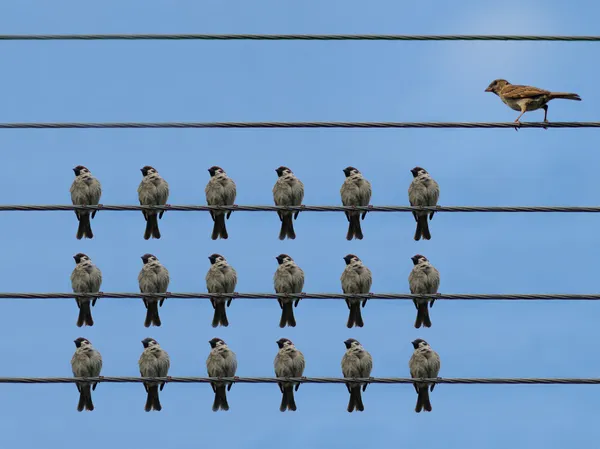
<point x="154" y="362"/>
<point x="424" y="279"/>
<point x="355" y="191"/>
<point x="152" y="191"/>
<point x="423" y="364"/>
<point x="86" y="362"/>
<point x="289" y="362"/>
<point x="85" y="191"/>
<point x="356" y="363"/>
<point x="85" y="278"/>
<point x="153" y="278"/>
<point x="221" y="362"/>
<point x="220" y="191"/>
<point x="356" y="278"/>
<point x="221" y="278"/>
<point x="526" y="98"/>
<point x="288" y="191"/>
<point x="423" y="191"/>
<point x="289" y="278"/>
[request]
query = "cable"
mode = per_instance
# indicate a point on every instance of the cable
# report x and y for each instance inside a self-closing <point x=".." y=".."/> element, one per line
<point x="190" y="208"/>
<point x="302" y="125"/>
<point x="302" y="37"/>
<point x="305" y="380"/>
<point x="378" y="296"/>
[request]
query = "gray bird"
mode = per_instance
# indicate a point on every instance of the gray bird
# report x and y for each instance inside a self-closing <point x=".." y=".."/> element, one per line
<point x="153" y="278"/>
<point x="221" y="278"/>
<point x="288" y="191"/>
<point x="154" y="362"/>
<point x="85" y="191"/>
<point x="356" y="363"/>
<point x="289" y="278"/>
<point x="424" y="279"/>
<point x="424" y="364"/>
<point x="289" y="362"/>
<point x="355" y="191"/>
<point x="423" y="191"/>
<point x="152" y="191"/>
<point x="221" y="362"/>
<point x="356" y="278"/>
<point x="86" y="362"/>
<point x="85" y="278"/>
<point x="220" y="191"/>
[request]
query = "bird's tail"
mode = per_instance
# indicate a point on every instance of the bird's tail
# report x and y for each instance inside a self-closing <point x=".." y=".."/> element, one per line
<point x="287" y="227"/>
<point x="355" y="317"/>
<point x="354" y="230"/>
<point x="422" y="228"/>
<point x="219" y="228"/>
<point x="220" y="317"/>
<point x="565" y="96"/>
<point x="152" y="317"/>
<point x="423" y="399"/>
<point x="85" y="227"/>
<point x="152" y="227"/>
<point x="356" y="402"/>
<point x="287" y="315"/>
<point x="422" y="315"/>
<point x="85" y="313"/>
<point x="287" y="399"/>
<point x="220" y="402"/>
<point x="85" y="398"/>
<point x="152" y="401"/>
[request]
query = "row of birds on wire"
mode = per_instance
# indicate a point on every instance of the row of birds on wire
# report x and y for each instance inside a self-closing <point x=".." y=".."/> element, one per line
<point x="424" y="279"/>
<point x="221" y="191"/>
<point x="289" y="362"/>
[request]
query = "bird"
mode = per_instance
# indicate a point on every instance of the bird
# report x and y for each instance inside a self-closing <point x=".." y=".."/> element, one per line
<point x="86" y="362"/>
<point x="423" y="279"/>
<point x="526" y="98"/>
<point x="153" y="278"/>
<point x="356" y="278"/>
<point x="85" y="191"/>
<point x="85" y="278"/>
<point x="221" y="362"/>
<point x="220" y="191"/>
<point x="423" y="364"/>
<point x="288" y="191"/>
<point x="355" y="191"/>
<point x="356" y="363"/>
<point x="154" y="362"/>
<point x="289" y="362"/>
<point x="289" y="278"/>
<point x="221" y="278"/>
<point x="152" y="191"/>
<point x="423" y="191"/>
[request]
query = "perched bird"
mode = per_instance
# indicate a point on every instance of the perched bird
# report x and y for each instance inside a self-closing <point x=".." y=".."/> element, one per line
<point x="356" y="278"/>
<point x="526" y="98"/>
<point x="221" y="362"/>
<point x="289" y="362"/>
<point x="153" y="278"/>
<point x="355" y="191"/>
<point x="221" y="278"/>
<point x="289" y="278"/>
<point x="154" y="362"/>
<point x="356" y="363"/>
<point x="288" y="191"/>
<point x="85" y="278"/>
<point x="85" y="191"/>
<point x="220" y="191"/>
<point x="423" y="191"/>
<point x="152" y="191"/>
<point x="424" y="279"/>
<point x="424" y="364"/>
<point x="86" y="362"/>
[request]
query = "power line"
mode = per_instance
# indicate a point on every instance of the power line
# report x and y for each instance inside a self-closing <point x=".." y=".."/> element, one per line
<point x="376" y="296"/>
<point x="300" y="37"/>
<point x="302" y="125"/>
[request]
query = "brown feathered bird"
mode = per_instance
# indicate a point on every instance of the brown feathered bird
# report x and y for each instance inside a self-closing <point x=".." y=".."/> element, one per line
<point x="526" y="98"/>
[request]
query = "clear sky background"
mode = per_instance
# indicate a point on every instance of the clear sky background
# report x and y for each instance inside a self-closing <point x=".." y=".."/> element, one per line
<point x="302" y="81"/>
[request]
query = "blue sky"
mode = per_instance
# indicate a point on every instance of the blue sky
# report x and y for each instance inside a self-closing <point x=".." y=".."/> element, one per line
<point x="298" y="81"/>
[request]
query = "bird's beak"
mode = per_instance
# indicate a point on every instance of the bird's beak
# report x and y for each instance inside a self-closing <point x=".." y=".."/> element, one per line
<point x="489" y="89"/>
